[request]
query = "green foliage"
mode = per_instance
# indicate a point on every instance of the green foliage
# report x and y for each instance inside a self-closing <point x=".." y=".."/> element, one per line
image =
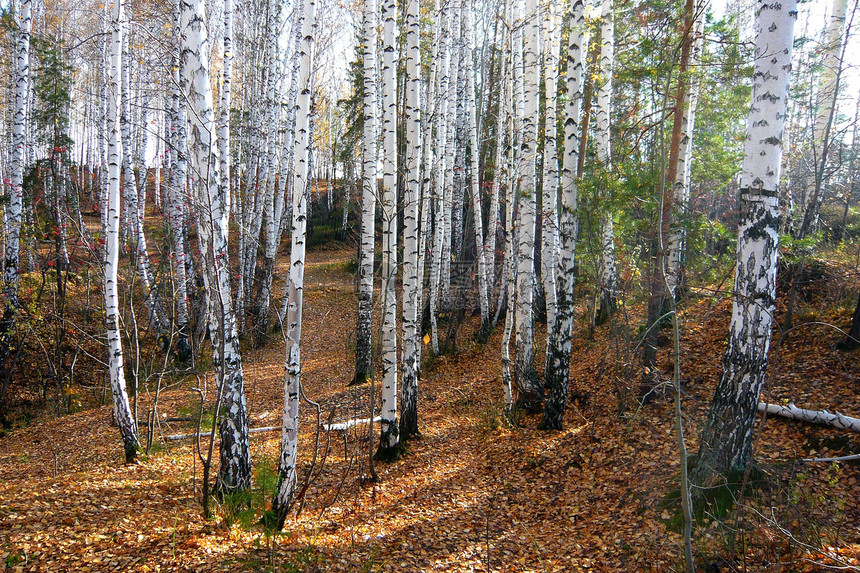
<point x="245" y="508"/>
<point x="53" y="81"/>
<point x="352" y="106"/>
<point x="713" y="502"/>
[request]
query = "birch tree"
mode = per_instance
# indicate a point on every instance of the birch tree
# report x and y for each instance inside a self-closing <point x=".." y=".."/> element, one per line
<point x="608" y="279"/>
<point x="477" y="211"/>
<point x="726" y="439"/>
<point x="368" y="200"/>
<point x="440" y="176"/>
<point x="177" y="194"/>
<point x="135" y="210"/>
<point x="528" y="383"/>
<point x="682" y="184"/>
<point x="828" y="91"/>
<point x="389" y="442"/>
<point x="549" y="213"/>
<point x="411" y="280"/>
<point x="557" y="375"/>
<point x="213" y="206"/>
<point x="121" y="409"/>
<point x="292" y="379"/>
<point x="13" y="214"/>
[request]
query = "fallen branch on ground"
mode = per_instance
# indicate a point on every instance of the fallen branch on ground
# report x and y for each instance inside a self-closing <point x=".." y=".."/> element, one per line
<point x="822" y="417"/>
<point x="176" y="437"/>
<point x="336" y="427"/>
<point x="344" y="426"/>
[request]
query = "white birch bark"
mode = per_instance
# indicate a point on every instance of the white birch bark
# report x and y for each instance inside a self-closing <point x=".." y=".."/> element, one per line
<point x="528" y="384"/>
<point x="440" y="177"/>
<point x="389" y="441"/>
<point x="477" y="211"/>
<point x="176" y="204"/>
<point x="12" y="213"/>
<point x="364" y="326"/>
<point x="602" y="141"/>
<point x="511" y="230"/>
<point x="135" y="212"/>
<point x="682" y="183"/>
<point x="448" y="203"/>
<point x="213" y="215"/>
<point x="828" y="91"/>
<point x="549" y="214"/>
<point x="557" y="376"/>
<point x="727" y="437"/>
<point x="226" y="94"/>
<point x="412" y="174"/>
<point x="458" y="190"/>
<point x="493" y="218"/>
<point x="121" y="408"/>
<point x="821" y="417"/>
<point x="273" y="206"/>
<point x="292" y="378"/>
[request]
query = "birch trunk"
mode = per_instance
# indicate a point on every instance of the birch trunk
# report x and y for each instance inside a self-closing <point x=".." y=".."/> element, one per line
<point x="448" y="207"/>
<point x="121" y="408"/>
<point x="176" y="205"/>
<point x="682" y="184"/>
<point x="213" y="216"/>
<point x="602" y="140"/>
<point x="727" y="436"/>
<point x="135" y="212"/>
<point x="411" y="283"/>
<point x="363" y="345"/>
<point x="824" y="116"/>
<point x="440" y="178"/>
<point x="475" y="171"/>
<point x="557" y="375"/>
<point x="493" y="218"/>
<point x="528" y="383"/>
<point x="12" y="213"/>
<point x="389" y="441"/>
<point x="292" y="379"/>
<point x="549" y="214"/>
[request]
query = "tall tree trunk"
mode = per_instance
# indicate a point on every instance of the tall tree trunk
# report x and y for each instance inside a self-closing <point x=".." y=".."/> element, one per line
<point x="441" y="168"/>
<point x="363" y="346"/>
<point x="411" y="282"/>
<point x="213" y="216"/>
<point x="528" y="383"/>
<point x="292" y="378"/>
<point x="475" y="172"/>
<point x="135" y="211"/>
<point x="657" y="292"/>
<point x="121" y="408"/>
<point x="509" y="268"/>
<point x="177" y="194"/>
<point x="682" y="184"/>
<point x="608" y="280"/>
<point x="826" y="99"/>
<point x="12" y="218"/>
<point x="493" y="217"/>
<point x="389" y="441"/>
<point x="549" y="212"/>
<point x="448" y="203"/>
<point x="557" y="376"/>
<point x="726" y="439"/>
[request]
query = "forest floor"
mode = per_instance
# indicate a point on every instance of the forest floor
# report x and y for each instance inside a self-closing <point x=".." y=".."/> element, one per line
<point x="473" y="493"/>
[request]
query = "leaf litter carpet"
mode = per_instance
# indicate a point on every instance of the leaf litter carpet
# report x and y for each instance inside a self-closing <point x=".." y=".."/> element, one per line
<point x="471" y="494"/>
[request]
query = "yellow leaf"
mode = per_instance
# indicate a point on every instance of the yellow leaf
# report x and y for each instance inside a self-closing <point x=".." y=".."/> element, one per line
<point x="426" y="339"/>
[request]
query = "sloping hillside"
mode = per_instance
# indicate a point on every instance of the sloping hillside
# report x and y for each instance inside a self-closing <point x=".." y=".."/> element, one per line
<point x="473" y="494"/>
